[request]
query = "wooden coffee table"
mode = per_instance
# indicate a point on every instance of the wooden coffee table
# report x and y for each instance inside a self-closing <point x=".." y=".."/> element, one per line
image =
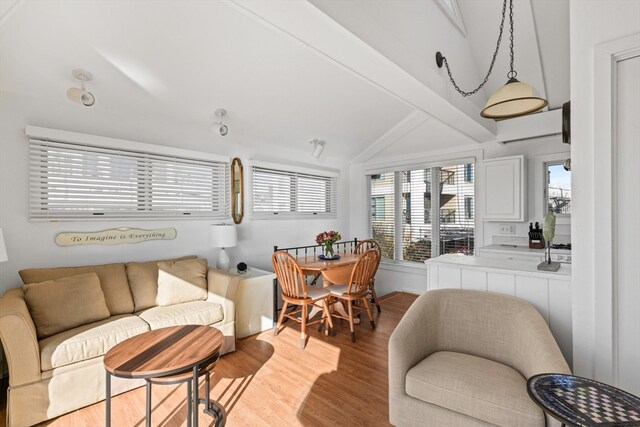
<point x="168" y="355"/>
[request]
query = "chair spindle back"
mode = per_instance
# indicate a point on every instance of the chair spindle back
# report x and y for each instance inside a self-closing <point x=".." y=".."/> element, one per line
<point x="363" y="271"/>
<point x="289" y="275"/>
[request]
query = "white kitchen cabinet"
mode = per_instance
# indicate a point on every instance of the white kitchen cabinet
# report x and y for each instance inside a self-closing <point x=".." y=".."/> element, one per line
<point x="548" y="292"/>
<point x="504" y="189"/>
<point x="254" y="301"/>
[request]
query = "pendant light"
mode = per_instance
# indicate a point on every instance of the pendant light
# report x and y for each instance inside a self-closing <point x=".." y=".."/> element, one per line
<point x="515" y="98"/>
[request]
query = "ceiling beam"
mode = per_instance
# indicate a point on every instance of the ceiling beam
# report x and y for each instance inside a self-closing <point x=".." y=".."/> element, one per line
<point x="310" y="26"/>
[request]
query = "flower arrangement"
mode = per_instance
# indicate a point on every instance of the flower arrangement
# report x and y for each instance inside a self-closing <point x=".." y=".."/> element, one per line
<point x="327" y="239"/>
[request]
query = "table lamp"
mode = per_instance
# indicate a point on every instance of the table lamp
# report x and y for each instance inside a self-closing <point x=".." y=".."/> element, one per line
<point x="223" y="236"/>
<point x="3" y="248"/>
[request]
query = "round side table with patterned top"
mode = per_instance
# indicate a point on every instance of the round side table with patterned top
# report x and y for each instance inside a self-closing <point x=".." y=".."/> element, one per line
<point x="577" y="401"/>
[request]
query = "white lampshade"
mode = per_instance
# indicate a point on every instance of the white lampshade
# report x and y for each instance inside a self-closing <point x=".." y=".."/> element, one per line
<point x="223" y="235"/>
<point x="514" y="99"/>
<point x="3" y="248"/>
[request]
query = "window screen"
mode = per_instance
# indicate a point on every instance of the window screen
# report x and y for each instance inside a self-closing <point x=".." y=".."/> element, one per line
<point x="70" y="180"/>
<point x="278" y="193"/>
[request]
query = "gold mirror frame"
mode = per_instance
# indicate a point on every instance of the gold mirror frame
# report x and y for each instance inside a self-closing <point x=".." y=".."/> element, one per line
<point x="237" y="190"/>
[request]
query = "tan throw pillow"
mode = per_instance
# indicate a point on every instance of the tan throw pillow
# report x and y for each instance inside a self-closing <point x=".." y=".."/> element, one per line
<point x="143" y="281"/>
<point x="113" y="281"/>
<point x="182" y="281"/>
<point x="65" y="303"/>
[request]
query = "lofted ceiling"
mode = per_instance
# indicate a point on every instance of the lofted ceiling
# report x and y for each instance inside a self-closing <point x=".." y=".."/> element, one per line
<point x="180" y="61"/>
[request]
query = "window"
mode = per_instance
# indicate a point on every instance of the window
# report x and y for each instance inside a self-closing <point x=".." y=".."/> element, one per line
<point x="78" y="180"/>
<point x="377" y="208"/>
<point x="278" y="193"/>
<point x="409" y="234"/>
<point x="468" y="172"/>
<point x="468" y="207"/>
<point x="558" y="187"/>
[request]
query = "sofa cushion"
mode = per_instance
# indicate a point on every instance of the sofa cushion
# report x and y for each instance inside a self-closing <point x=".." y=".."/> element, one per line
<point x="88" y="341"/>
<point x="143" y="281"/>
<point x="58" y="305"/>
<point x="186" y="313"/>
<point x="477" y="387"/>
<point x="113" y="280"/>
<point x="182" y="281"/>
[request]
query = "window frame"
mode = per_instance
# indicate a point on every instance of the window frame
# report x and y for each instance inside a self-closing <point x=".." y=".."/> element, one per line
<point x="428" y="163"/>
<point x="140" y="154"/>
<point x="540" y="185"/>
<point x="331" y="177"/>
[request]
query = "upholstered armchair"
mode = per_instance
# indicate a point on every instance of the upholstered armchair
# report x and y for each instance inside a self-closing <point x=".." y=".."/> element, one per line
<point x="462" y="358"/>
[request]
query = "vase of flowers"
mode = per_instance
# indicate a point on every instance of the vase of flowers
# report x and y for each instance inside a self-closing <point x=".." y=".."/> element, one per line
<point x="327" y="239"/>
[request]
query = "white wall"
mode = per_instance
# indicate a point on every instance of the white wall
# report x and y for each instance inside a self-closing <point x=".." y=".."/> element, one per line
<point x="31" y="244"/>
<point x="592" y="23"/>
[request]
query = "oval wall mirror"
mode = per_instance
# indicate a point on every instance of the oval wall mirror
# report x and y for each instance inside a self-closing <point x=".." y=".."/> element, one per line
<point x="237" y="184"/>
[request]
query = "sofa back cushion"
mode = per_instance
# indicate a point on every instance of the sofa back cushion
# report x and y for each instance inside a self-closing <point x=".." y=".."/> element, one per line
<point x="143" y="281"/>
<point x="182" y="281"/>
<point x="113" y="280"/>
<point x="65" y="303"/>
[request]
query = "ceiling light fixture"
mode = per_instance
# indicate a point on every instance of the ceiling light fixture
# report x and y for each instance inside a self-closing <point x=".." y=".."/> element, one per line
<point x="80" y="94"/>
<point x="515" y="98"/>
<point x="218" y="127"/>
<point x="318" y="146"/>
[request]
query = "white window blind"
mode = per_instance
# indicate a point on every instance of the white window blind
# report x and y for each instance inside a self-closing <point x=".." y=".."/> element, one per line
<point x="69" y="180"/>
<point x="278" y="193"/>
<point x="409" y="224"/>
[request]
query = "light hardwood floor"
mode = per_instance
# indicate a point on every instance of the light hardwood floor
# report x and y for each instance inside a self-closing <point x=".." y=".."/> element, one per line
<point x="270" y="381"/>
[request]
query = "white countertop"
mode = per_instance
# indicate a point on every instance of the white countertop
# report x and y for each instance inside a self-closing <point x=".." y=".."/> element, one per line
<point x="501" y="264"/>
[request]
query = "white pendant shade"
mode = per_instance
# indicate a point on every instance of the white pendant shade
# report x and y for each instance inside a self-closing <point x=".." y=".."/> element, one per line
<point x="512" y="100"/>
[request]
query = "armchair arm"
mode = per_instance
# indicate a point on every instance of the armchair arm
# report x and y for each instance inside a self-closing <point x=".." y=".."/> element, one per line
<point x="19" y="340"/>
<point x="414" y="339"/>
<point x="538" y="351"/>
<point x="222" y="288"/>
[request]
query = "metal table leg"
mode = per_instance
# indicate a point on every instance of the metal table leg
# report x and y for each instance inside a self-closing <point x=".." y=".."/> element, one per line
<point x="195" y="396"/>
<point x="108" y="400"/>
<point x="189" y="404"/>
<point x="147" y="413"/>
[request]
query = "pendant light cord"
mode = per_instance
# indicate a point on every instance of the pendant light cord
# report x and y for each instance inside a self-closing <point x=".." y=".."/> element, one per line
<point x="511" y="73"/>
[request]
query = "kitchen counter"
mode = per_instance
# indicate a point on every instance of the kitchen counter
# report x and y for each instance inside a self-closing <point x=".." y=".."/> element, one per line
<point x="523" y="267"/>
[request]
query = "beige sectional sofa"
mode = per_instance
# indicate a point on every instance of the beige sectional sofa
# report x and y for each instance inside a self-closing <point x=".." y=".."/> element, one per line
<point x="56" y="329"/>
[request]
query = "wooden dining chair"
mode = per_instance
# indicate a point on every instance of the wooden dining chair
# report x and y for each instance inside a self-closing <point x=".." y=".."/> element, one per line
<point x="357" y="289"/>
<point x="296" y="292"/>
<point x="361" y="247"/>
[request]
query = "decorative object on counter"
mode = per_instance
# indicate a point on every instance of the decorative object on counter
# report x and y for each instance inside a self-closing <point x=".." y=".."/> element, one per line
<point x="242" y="267"/>
<point x="548" y="233"/>
<point x="114" y="236"/>
<point x="223" y="236"/>
<point x="327" y="239"/>
<point x="515" y="98"/>
<point x="3" y="248"/>
<point x="536" y="239"/>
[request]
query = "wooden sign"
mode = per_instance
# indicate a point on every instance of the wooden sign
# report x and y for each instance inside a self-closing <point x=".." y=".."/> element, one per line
<point x="114" y="236"/>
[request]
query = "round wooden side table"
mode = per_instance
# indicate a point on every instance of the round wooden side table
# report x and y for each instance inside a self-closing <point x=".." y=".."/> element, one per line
<point x="168" y="356"/>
